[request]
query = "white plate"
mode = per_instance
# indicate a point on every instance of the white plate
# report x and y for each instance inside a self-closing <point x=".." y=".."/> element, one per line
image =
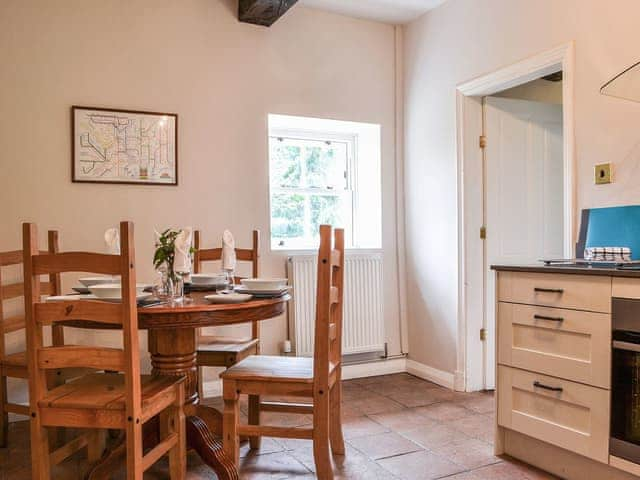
<point x="89" y="281"/>
<point x="208" y="279"/>
<point x="262" y="284"/>
<point x="113" y="290"/>
<point x="228" y="298"/>
<point x="255" y="291"/>
<point x="89" y="296"/>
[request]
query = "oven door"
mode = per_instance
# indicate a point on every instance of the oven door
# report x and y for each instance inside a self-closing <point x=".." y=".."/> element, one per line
<point x="625" y="397"/>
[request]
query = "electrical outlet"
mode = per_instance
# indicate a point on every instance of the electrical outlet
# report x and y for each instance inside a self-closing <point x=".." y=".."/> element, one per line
<point x="602" y="173"/>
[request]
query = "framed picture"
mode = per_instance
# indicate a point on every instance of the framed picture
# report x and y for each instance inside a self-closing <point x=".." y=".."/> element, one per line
<point x="124" y="146"/>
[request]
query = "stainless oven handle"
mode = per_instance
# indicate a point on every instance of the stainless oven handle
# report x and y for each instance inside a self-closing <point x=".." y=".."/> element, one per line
<point x="632" y="347"/>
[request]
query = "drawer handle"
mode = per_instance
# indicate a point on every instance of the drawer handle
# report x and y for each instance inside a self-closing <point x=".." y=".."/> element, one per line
<point x="546" y="387"/>
<point x="553" y="319"/>
<point x="559" y="291"/>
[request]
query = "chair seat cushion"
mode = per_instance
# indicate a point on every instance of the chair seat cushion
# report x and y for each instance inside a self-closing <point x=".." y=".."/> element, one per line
<point x="15" y="359"/>
<point x="226" y="344"/>
<point x="266" y="368"/>
<point x="106" y="391"/>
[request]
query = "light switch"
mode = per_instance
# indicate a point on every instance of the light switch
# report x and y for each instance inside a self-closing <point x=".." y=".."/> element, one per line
<point x="602" y="173"/>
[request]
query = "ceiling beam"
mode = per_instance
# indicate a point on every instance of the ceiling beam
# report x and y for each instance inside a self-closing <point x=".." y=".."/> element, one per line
<point x="263" y="12"/>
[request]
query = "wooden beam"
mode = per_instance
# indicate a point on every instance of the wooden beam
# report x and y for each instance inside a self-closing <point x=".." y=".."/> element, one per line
<point x="263" y="12"/>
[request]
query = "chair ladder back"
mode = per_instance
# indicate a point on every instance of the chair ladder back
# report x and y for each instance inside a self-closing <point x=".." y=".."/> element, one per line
<point x="328" y="324"/>
<point x="335" y="342"/>
<point x="16" y="290"/>
<point x="38" y="314"/>
<point x="242" y="254"/>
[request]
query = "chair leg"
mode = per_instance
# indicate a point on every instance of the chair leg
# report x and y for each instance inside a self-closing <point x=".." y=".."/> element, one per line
<point x="254" y="419"/>
<point x="134" y="450"/>
<point x="230" y="420"/>
<point x="95" y="445"/>
<point x="177" y="455"/>
<point x="335" y="422"/>
<point x="4" y="416"/>
<point x="321" y="453"/>
<point x="40" y="466"/>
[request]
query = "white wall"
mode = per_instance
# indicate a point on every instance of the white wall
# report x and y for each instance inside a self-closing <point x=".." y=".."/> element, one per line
<point x="463" y="39"/>
<point x="221" y="77"/>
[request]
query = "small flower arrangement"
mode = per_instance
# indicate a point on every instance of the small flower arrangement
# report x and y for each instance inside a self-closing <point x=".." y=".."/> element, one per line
<point x="165" y="252"/>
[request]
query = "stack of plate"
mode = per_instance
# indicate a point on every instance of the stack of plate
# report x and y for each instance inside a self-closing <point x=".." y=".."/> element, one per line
<point x="263" y="287"/>
<point x="206" y="282"/>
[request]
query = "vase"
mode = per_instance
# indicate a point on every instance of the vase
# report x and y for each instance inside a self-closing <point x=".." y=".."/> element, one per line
<point x="168" y="286"/>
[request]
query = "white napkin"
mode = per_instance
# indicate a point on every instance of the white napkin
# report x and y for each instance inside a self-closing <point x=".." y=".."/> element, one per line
<point x="182" y="256"/>
<point x="228" y="251"/>
<point x="112" y="239"/>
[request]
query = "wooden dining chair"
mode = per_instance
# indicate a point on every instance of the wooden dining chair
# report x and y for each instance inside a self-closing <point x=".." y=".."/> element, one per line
<point x="317" y="378"/>
<point x="224" y="351"/>
<point x="14" y="365"/>
<point x="98" y="400"/>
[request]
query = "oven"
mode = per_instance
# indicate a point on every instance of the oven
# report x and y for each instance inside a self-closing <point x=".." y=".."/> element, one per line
<point x="625" y="380"/>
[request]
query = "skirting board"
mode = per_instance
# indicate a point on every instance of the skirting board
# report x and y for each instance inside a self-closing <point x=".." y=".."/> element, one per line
<point x="213" y="388"/>
<point x="444" y="379"/>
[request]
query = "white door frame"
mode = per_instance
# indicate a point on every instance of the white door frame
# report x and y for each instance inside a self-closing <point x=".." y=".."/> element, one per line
<point x="470" y="369"/>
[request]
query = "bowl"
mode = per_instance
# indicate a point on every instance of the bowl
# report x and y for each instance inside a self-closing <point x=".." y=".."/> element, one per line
<point x="208" y="278"/>
<point x="264" y="283"/>
<point x="89" y="281"/>
<point x="114" y="290"/>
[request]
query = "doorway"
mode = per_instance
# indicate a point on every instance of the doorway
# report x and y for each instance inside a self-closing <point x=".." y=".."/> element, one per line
<point x="519" y="142"/>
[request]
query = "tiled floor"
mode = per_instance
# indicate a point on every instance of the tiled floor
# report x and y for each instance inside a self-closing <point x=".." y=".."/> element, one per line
<point x="395" y="426"/>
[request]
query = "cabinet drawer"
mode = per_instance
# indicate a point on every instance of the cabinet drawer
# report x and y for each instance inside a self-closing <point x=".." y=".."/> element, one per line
<point x="579" y="292"/>
<point x="575" y="417"/>
<point x="569" y="344"/>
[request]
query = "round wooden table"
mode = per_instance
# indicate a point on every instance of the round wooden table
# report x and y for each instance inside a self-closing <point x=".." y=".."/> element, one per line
<point x="172" y="345"/>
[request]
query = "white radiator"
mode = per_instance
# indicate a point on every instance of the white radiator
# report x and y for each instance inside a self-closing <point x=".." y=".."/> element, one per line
<point x="363" y="324"/>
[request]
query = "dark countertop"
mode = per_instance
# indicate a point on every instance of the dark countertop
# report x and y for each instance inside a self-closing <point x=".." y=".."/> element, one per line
<point x="569" y="269"/>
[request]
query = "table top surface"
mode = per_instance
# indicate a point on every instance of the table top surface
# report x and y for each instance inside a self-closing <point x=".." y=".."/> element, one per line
<point x="200" y="304"/>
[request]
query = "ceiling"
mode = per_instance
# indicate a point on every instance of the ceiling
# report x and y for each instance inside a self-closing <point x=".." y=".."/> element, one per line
<point x="390" y="11"/>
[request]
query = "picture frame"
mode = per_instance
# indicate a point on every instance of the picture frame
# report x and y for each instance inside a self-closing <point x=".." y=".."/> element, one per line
<point x="121" y="146"/>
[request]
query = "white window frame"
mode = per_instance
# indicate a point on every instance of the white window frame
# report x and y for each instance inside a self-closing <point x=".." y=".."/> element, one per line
<point x="351" y="239"/>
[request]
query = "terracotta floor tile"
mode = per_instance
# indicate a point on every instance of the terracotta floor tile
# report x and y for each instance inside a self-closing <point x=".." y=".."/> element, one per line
<point x="272" y="466"/>
<point x="476" y="426"/>
<point x="420" y="466"/>
<point x="468" y="453"/>
<point x="384" y="445"/>
<point x="483" y="403"/>
<point x="353" y="427"/>
<point x="510" y="470"/>
<point x="418" y="397"/>
<point x="373" y="403"/>
<point x="444" y="411"/>
<point x="354" y="465"/>
<point x="402" y="420"/>
<point x="435" y="436"/>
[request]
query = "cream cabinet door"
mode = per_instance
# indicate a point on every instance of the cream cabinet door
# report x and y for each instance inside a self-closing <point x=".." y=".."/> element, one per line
<point x="565" y="343"/>
<point x="563" y="413"/>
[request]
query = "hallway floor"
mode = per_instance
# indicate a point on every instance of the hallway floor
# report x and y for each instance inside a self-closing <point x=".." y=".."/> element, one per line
<point x="395" y="426"/>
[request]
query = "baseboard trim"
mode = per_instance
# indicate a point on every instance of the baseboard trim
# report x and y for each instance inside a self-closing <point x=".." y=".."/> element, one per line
<point x="442" y="378"/>
<point x="372" y="369"/>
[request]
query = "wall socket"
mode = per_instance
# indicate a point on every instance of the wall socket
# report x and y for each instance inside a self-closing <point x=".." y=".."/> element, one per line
<point x="602" y="173"/>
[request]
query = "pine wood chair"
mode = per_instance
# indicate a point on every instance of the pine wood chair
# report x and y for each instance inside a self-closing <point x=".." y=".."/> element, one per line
<point x="219" y="351"/>
<point x="15" y="365"/>
<point x="98" y="400"/>
<point x="317" y="378"/>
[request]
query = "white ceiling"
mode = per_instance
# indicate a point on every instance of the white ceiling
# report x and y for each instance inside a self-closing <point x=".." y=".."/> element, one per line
<point x="390" y="11"/>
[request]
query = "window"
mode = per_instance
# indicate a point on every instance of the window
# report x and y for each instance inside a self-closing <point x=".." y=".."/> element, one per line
<point x="314" y="180"/>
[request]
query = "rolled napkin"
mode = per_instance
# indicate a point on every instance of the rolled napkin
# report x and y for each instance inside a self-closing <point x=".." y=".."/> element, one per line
<point x="607" y="254"/>
<point x="182" y="252"/>
<point x="112" y="240"/>
<point x="228" y="251"/>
